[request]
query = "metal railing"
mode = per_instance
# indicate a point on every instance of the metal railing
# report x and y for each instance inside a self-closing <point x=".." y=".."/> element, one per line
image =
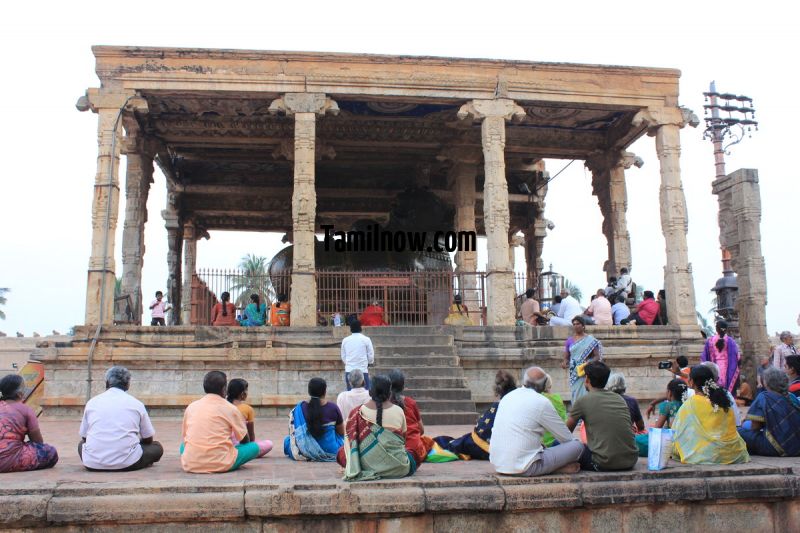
<point x="407" y="297"/>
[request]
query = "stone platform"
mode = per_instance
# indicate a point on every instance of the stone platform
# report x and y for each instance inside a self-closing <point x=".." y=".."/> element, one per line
<point x="449" y="369"/>
<point x="276" y="494"/>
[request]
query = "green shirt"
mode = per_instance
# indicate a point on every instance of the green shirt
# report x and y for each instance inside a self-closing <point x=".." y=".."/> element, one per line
<point x="609" y="431"/>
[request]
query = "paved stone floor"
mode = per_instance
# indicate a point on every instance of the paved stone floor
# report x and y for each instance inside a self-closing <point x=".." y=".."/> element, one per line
<point x="63" y="433"/>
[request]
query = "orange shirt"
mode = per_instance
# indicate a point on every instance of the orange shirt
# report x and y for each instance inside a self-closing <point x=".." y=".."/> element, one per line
<point x="207" y="427"/>
<point x="247" y="411"/>
<point x="279" y="316"/>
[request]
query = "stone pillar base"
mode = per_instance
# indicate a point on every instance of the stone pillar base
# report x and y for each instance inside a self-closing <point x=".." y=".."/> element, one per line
<point x="304" y="292"/>
<point x="500" y="298"/>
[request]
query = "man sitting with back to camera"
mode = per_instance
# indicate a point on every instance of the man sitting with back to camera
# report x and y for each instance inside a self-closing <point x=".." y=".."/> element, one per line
<point x="116" y="432"/>
<point x="609" y="430"/>
<point x="523" y="416"/>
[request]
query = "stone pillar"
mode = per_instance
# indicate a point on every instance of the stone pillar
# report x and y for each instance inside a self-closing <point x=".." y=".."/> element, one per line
<point x="174" y="225"/>
<point x="305" y="107"/>
<point x="740" y="234"/>
<point x="138" y="177"/>
<point x="189" y="269"/>
<point x="665" y="124"/>
<point x="101" y="277"/>
<point x="608" y="184"/>
<point x="534" y="243"/>
<point x="500" y="277"/>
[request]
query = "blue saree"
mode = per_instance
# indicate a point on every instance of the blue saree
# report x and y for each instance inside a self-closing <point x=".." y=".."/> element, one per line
<point x="301" y="445"/>
<point x="255" y="316"/>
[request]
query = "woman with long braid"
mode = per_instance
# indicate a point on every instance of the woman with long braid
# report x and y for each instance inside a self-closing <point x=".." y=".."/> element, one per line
<point x="705" y="427"/>
<point x="224" y="312"/>
<point x="375" y="438"/>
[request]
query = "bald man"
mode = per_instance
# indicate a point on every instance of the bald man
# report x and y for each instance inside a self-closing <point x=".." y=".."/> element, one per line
<point x="523" y="416"/>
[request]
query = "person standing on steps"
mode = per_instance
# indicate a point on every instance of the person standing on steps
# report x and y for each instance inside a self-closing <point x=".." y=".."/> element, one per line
<point x="357" y="353"/>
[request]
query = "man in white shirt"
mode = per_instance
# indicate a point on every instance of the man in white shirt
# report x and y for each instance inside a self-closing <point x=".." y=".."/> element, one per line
<point x="624" y="284"/>
<point x="356" y="396"/>
<point x="523" y="416"/>
<point x="357" y="353"/>
<point x="569" y="309"/>
<point x="116" y="432"/>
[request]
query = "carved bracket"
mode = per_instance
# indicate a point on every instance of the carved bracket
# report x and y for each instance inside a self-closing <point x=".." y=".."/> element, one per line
<point x="291" y="103"/>
<point x="500" y="107"/>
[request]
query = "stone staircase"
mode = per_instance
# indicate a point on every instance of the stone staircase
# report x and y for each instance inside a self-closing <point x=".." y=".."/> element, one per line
<point x="434" y="377"/>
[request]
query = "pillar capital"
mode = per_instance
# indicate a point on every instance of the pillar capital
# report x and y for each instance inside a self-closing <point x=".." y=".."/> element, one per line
<point x="604" y="160"/>
<point x="291" y="103"/>
<point x="499" y="107"/>
<point x="654" y="118"/>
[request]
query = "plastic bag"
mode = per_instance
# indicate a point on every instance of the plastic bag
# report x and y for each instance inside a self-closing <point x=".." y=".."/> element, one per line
<point x="659" y="448"/>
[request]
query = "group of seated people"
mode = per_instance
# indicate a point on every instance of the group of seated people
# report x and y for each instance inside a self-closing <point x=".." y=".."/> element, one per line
<point x="378" y="433"/>
<point x="601" y="310"/>
<point x="223" y="313"/>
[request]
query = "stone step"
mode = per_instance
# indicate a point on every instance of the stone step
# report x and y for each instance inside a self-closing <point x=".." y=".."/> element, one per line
<point x="442" y="406"/>
<point x="435" y="382"/>
<point x="422" y="371"/>
<point x="453" y="393"/>
<point x="412" y="340"/>
<point x="402" y="361"/>
<point x="449" y="418"/>
<point x="415" y="350"/>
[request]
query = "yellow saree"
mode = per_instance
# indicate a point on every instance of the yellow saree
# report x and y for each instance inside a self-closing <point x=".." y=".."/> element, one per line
<point x="703" y="436"/>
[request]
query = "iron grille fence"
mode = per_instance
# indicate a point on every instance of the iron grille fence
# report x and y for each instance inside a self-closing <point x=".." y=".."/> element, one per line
<point x="407" y="297"/>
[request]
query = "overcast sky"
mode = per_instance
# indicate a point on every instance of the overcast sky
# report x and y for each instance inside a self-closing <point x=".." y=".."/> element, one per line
<point x="49" y="149"/>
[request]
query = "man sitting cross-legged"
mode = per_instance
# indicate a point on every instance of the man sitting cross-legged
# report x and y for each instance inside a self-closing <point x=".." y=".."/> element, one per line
<point x="523" y="416"/>
<point x="208" y="424"/>
<point x="609" y="430"/>
<point x="116" y="433"/>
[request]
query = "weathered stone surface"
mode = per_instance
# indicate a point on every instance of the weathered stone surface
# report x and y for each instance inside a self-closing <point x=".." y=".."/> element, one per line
<point x="166" y="501"/>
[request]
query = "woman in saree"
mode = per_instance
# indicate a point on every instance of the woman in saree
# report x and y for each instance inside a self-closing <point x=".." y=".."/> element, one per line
<point x="255" y="314"/>
<point x="773" y="420"/>
<point x="723" y="351"/>
<point x="316" y="427"/>
<point x="375" y="444"/>
<point x="415" y="444"/>
<point x="475" y="445"/>
<point x="705" y="427"/>
<point x="17" y="421"/>
<point x="579" y="350"/>
<point x="458" y="314"/>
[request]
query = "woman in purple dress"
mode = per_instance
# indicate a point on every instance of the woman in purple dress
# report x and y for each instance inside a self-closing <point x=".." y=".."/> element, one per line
<point x="722" y="350"/>
<point x="17" y="421"/>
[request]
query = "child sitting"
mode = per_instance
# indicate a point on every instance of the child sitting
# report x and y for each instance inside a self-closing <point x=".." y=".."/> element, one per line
<point x="667" y="409"/>
<point x="237" y="394"/>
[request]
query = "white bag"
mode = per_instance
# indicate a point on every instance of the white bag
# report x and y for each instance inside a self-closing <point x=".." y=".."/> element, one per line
<point x="659" y="448"/>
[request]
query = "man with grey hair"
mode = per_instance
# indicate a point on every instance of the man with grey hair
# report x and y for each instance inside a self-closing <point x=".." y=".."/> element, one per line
<point x="116" y="432"/>
<point x="523" y="416"/>
<point x="773" y="421"/>
<point x="784" y="349"/>
<point x="356" y="396"/>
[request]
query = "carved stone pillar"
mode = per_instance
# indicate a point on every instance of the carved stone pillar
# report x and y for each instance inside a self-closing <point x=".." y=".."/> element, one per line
<point x="174" y="225"/>
<point x="500" y="284"/>
<point x="665" y="124"/>
<point x="101" y="276"/>
<point x="305" y="107"/>
<point x="534" y="243"/>
<point x="138" y="177"/>
<point x="189" y="269"/>
<point x="608" y="184"/>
